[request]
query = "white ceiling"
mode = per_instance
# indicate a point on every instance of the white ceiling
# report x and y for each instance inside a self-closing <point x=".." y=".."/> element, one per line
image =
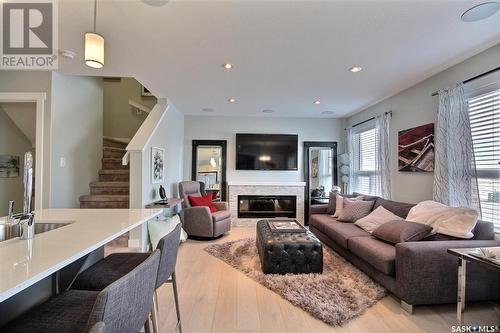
<point x="287" y="54"/>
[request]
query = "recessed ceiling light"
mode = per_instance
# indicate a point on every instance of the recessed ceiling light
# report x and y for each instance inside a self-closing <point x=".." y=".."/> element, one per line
<point x="327" y="112"/>
<point x="317" y="102"/>
<point x="480" y="12"/>
<point x="268" y="111"/>
<point x="227" y="66"/>
<point x="355" y="69"/>
<point x="207" y="110"/>
<point x="231" y="100"/>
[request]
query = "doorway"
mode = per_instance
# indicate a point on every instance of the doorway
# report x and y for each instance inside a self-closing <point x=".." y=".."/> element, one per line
<point x="320" y="173"/>
<point x="209" y="166"/>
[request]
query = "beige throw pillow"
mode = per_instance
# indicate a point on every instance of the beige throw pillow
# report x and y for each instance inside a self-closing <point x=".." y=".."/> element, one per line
<point x="339" y="205"/>
<point x="375" y="219"/>
<point x="354" y="210"/>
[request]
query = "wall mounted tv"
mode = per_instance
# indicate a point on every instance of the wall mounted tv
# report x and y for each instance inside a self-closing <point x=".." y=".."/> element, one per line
<point x="266" y="151"/>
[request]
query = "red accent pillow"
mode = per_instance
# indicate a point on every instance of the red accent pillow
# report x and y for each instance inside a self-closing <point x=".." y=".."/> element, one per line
<point x="203" y="201"/>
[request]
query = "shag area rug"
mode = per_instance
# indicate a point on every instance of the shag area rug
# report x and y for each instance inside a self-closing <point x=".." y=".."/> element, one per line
<point x="341" y="293"/>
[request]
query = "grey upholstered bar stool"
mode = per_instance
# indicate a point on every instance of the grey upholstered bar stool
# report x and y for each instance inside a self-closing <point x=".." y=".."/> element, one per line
<point x="104" y="272"/>
<point x="122" y="307"/>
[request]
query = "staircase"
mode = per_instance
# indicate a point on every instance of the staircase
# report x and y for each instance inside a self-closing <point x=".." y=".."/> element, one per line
<point x="112" y="189"/>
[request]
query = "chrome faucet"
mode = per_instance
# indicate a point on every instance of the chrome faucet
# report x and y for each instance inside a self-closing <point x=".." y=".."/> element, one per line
<point x="26" y="218"/>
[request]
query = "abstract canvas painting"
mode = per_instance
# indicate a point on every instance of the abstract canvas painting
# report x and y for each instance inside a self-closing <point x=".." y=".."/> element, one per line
<point x="157" y="165"/>
<point x="416" y="149"/>
<point x="9" y="166"/>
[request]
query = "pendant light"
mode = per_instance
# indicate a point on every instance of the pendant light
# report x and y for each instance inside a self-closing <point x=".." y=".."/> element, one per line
<point x="94" y="46"/>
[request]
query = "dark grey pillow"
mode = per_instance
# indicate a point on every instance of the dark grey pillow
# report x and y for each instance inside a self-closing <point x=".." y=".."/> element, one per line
<point x="401" y="231"/>
<point x="332" y="203"/>
<point x="354" y="210"/>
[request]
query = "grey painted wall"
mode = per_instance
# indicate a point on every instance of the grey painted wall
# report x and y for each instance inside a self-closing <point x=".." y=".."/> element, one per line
<point x="415" y="106"/>
<point x="120" y="119"/>
<point x="225" y="128"/>
<point x="77" y="121"/>
<point x="12" y="142"/>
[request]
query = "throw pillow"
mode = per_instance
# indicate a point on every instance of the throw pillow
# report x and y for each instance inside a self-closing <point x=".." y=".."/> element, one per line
<point x="332" y="204"/>
<point x="203" y="201"/>
<point x="456" y="222"/>
<point x="340" y="203"/>
<point x="354" y="210"/>
<point x="375" y="219"/>
<point x="401" y="231"/>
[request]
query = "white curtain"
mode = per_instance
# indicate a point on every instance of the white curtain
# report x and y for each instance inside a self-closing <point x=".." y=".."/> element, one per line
<point x="350" y="150"/>
<point x="455" y="179"/>
<point x="383" y="156"/>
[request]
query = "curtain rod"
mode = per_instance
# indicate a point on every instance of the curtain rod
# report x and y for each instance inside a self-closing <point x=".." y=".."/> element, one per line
<point x="474" y="78"/>
<point x="367" y="120"/>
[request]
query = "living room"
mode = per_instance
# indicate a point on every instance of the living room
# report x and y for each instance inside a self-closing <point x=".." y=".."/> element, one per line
<point x="285" y="166"/>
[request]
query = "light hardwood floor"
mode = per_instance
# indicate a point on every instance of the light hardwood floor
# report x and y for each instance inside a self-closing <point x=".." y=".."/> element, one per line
<point x="215" y="297"/>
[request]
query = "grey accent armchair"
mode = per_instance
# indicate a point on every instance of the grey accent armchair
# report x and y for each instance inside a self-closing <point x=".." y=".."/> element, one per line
<point x="199" y="221"/>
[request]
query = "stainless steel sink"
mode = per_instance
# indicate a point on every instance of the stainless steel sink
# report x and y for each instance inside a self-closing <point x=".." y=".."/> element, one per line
<point x="9" y="231"/>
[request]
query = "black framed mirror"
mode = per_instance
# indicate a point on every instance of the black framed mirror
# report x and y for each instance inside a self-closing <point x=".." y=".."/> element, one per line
<point x="208" y="165"/>
<point x="320" y="173"/>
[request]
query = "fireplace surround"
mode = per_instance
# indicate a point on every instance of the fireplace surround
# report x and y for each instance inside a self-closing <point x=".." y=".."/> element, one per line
<point x="240" y="188"/>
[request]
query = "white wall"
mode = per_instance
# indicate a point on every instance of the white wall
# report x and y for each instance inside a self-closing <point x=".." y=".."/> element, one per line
<point x="77" y="121"/>
<point x="120" y="119"/>
<point x="169" y="136"/>
<point x="415" y="106"/>
<point x="225" y="128"/>
<point x="12" y="142"/>
<point x="39" y="82"/>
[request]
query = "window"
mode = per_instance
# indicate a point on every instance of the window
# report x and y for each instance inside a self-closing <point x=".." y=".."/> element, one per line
<point x="484" y="113"/>
<point x="364" y="158"/>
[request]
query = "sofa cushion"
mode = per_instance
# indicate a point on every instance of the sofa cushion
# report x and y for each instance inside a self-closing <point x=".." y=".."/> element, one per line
<point x="401" y="231"/>
<point x="220" y="215"/>
<point x="380" y="255"/>
<point x="340" y="232"/>
<point x="320" y="221"/>
<point x="354" y="210"/>
<point x="401" y="209"/>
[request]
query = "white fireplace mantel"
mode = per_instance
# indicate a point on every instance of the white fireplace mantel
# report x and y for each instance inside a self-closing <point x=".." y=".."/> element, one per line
<point x="240" y="183"/>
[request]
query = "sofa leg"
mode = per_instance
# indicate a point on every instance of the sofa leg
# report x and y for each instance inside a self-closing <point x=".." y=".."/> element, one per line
<point x="407" y="307"/>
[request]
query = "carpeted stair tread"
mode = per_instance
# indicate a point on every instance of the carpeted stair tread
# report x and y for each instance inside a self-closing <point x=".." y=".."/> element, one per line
<point x="112" y="198"/>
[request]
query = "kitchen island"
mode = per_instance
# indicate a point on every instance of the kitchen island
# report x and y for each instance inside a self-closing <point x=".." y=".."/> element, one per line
<point x="30" y="269"/>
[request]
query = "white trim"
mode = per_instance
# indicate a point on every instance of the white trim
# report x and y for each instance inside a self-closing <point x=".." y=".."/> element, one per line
<point x="39" y="100"/>
<point x="148" y="127"/>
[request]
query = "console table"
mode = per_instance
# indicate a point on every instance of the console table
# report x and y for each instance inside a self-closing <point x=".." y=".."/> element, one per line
<point x="465" y="255"/>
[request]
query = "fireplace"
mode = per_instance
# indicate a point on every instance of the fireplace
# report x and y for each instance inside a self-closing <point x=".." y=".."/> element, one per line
<point x="262" y="206"/>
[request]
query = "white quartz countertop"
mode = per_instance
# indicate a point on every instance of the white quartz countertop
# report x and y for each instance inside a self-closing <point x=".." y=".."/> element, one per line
<point x="55" y="249"/>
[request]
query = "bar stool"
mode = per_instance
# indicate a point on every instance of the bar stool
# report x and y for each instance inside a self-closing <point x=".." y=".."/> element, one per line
<point x="106" y="271"/>
<point x="122" y="307"/>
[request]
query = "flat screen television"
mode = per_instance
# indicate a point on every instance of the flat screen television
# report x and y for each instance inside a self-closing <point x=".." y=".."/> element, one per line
<point x="266" y="151"/>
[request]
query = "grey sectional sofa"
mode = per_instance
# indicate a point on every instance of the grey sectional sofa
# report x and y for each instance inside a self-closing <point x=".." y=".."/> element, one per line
<point x="416" y="272"/>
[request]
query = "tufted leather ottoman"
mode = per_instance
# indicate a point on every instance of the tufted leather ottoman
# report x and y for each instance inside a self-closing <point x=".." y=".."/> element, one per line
<point x="285" y="252"/>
